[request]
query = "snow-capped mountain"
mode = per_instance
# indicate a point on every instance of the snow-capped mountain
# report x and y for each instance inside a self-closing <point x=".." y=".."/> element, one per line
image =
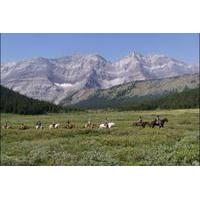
<point x="75" y="76"/>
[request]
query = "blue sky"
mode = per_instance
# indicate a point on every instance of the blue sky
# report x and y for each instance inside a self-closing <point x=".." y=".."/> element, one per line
<point x="15" y="47"/>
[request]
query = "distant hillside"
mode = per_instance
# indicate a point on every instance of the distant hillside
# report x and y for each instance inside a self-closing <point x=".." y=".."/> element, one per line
<point x="188" y="98"/>
<point x="138" y="92"/>
<point x="13" y="102"/>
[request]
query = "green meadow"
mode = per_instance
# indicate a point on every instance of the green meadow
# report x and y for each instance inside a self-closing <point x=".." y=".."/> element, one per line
<point x="123" y="145"/>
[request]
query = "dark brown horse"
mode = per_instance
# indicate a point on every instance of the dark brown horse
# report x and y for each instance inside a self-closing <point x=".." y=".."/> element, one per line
<point x="143" y="124"/>
<point x="160" y="124"/>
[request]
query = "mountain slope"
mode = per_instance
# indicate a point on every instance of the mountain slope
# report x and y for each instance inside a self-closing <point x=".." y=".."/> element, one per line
<point x="138" y="91"/>
<point x="72" y="78"/>
<point x="188" y="98"/>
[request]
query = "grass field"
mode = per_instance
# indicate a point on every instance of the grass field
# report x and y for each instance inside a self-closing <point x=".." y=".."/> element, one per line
<point x="176" y="144"/>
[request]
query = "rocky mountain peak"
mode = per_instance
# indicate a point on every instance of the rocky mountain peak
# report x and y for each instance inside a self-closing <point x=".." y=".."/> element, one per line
<point x="57" y="79"/>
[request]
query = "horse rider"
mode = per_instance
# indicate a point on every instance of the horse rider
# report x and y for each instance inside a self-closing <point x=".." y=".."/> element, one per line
<point x="22" y="125"/>
<point x="140" y="120"/>
<point x="89" y="122"/>
<point x="54" y="124"/>
<point x="6" y="124"/>
<point x="106" y="123"/>
<point x="158" y="119"/>
<point x="39" y="123"/>
<point x="67" y="124"/>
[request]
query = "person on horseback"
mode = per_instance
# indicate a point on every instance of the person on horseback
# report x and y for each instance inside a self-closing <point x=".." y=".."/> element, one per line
<point x="39" y="124"/>
<point x="53" y="124"/>
<point x="67" y="125"/>
<point x="89" y="122"/>
<point x="22" y="126"/>
<point x="6" y="124"/>
<point x="158" y="119"/>
<point x="106" y="123"/>
<point x="140" y="120"/>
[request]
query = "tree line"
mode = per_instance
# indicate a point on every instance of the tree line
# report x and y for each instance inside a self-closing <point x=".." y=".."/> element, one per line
<point x="13" y="102"/>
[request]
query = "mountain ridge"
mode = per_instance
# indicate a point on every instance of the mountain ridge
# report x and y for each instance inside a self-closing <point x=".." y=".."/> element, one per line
<point x="57" y="79"/>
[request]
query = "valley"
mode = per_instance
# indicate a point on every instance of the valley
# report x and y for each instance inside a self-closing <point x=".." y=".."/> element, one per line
<point x="176" y="144"/>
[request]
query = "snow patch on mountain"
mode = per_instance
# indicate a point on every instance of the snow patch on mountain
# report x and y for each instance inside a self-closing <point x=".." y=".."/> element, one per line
<point x="63" y="85"/>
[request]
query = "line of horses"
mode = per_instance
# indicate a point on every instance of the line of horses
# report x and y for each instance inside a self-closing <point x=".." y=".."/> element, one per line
<point x="71" y="125"/>
<point x="58" y="125"/>
<point x="90" y="125"/>
<point x="152" y="124"/>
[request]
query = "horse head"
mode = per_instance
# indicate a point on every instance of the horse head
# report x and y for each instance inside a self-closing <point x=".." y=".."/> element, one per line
<point x="110" y="124"/>
<point x="165" y="120"/>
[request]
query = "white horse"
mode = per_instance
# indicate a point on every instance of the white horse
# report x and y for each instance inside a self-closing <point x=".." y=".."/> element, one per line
<point x="54" y="126"/>
<point x="57" y="125"/>
<point x="39" y="127"/>
<point x="110" y="124"/>
<point x="51" y="126"/>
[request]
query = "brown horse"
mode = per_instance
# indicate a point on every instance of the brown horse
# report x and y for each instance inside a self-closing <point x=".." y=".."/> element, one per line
<point x="69" y="126"/>
<point x="143" y="124"/>
<point x="161" y="124"/>
<point x="7" y="127"/>
<point x="23" y="127"/>
<point x="90" y="125"/>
